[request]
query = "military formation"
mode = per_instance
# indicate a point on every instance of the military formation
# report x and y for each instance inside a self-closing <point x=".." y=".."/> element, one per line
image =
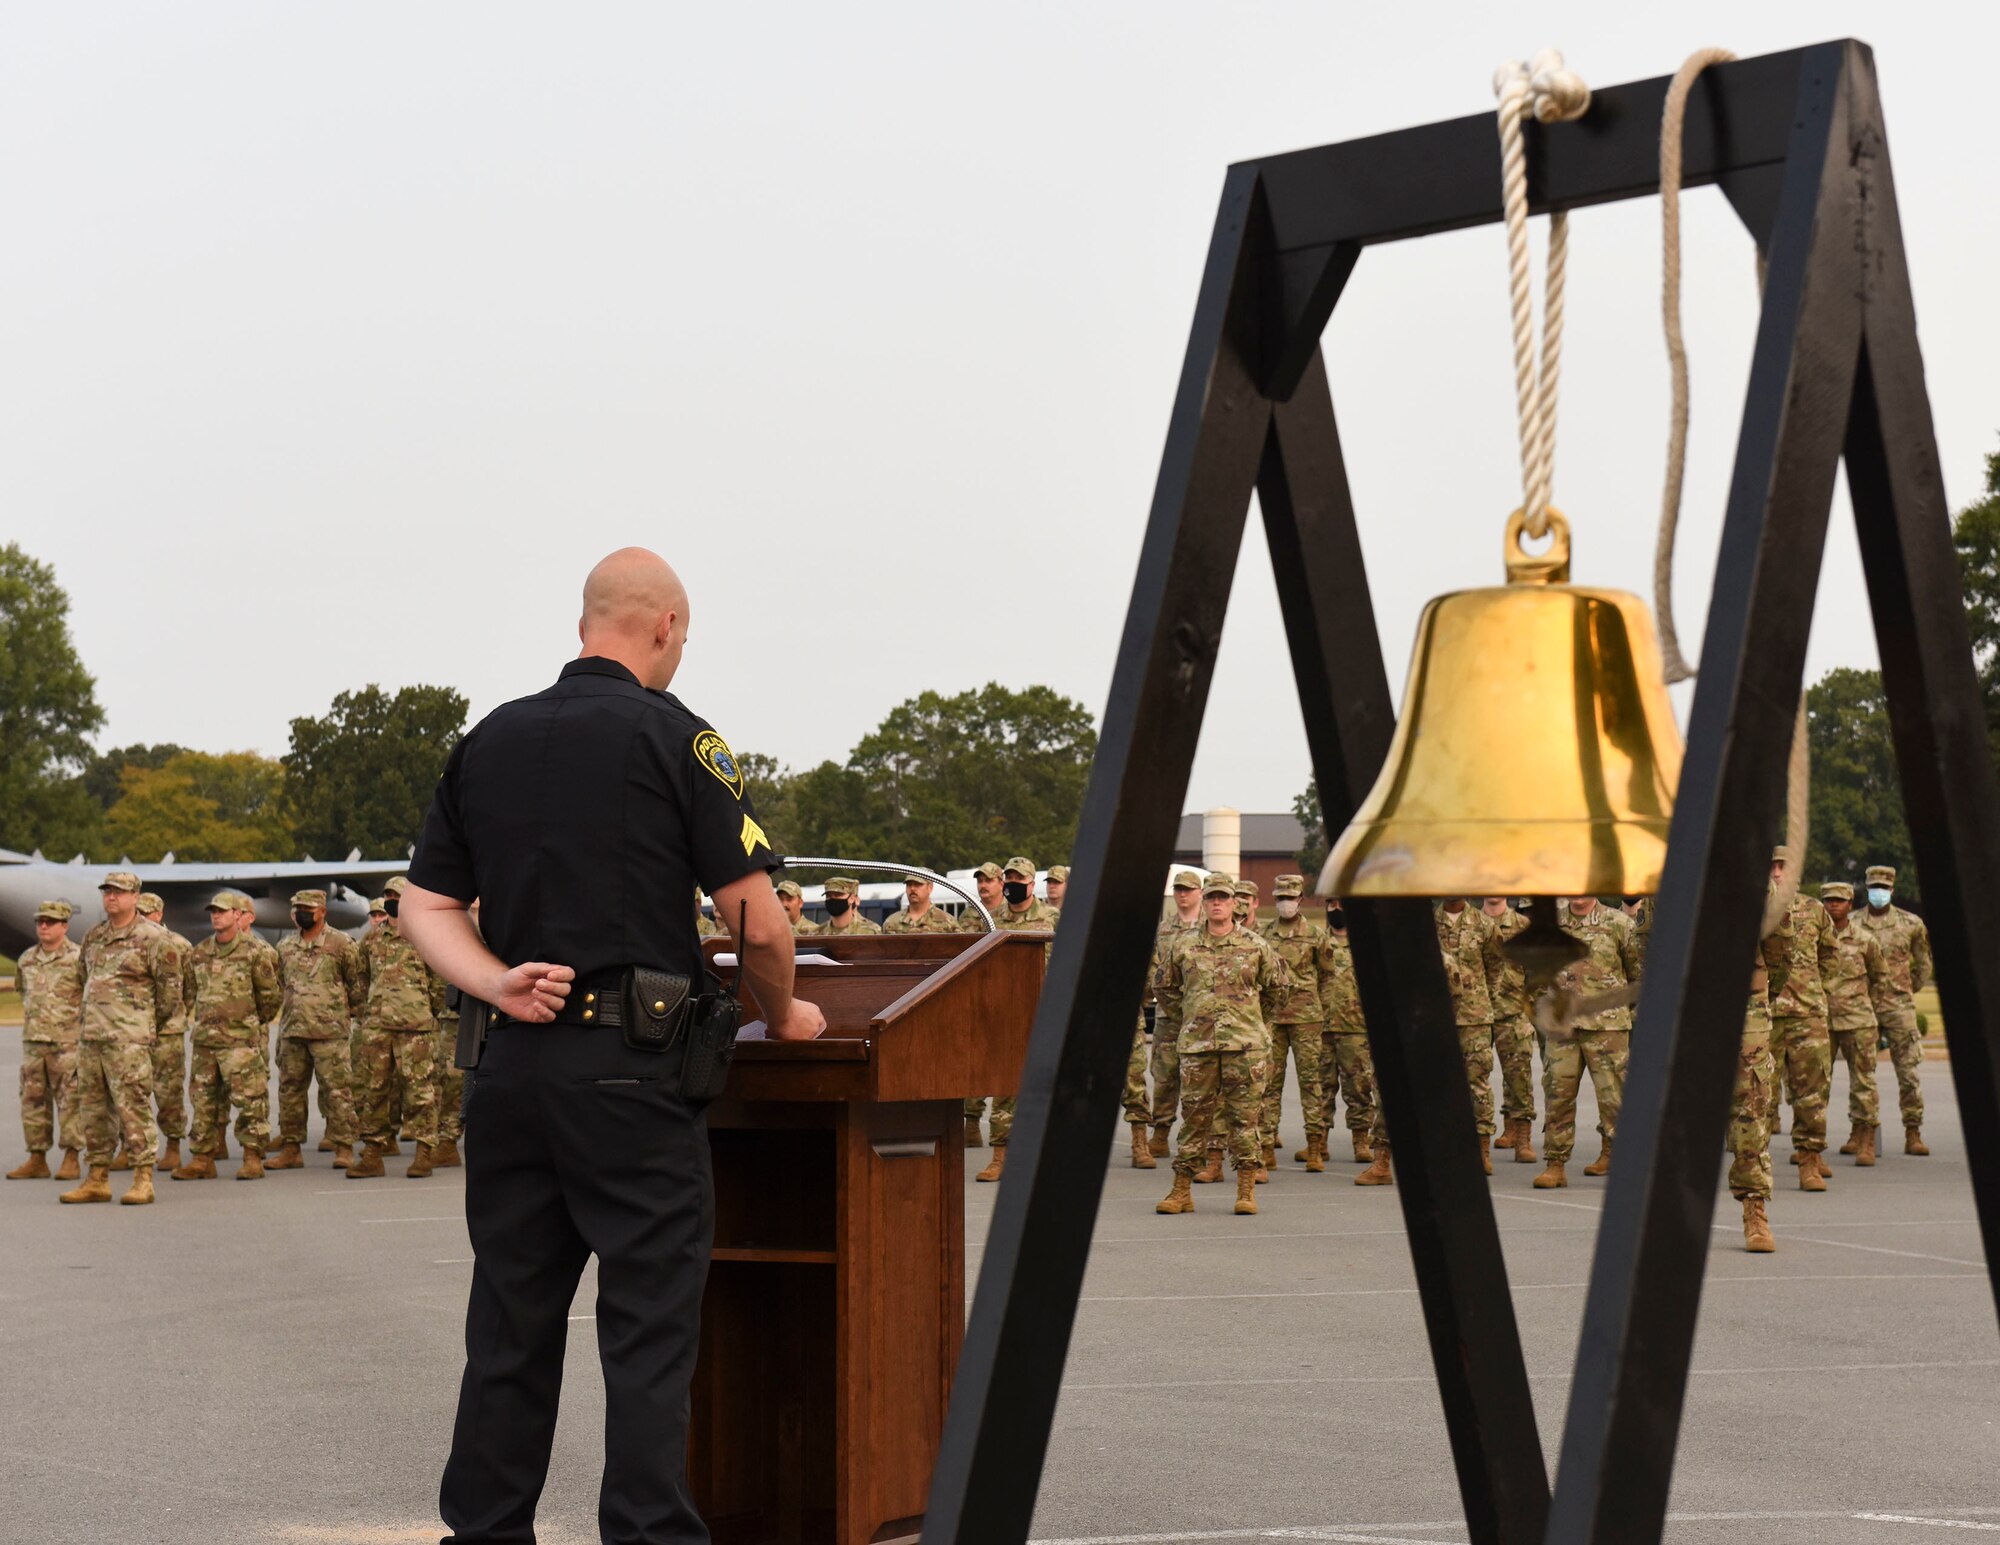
<point x="136" y="1041"/>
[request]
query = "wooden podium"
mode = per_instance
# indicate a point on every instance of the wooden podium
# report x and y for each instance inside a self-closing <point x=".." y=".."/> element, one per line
<point x="836" y="1299"/>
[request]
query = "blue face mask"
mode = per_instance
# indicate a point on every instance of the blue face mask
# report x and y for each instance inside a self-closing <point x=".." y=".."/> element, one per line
<point x="1878" y="896"/>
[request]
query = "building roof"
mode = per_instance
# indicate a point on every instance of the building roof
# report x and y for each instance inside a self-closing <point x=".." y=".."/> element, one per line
<point x="1270" y="836"/>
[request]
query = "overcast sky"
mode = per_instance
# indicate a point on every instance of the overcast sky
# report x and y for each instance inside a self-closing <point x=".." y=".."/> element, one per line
<point x="338" y="341"/>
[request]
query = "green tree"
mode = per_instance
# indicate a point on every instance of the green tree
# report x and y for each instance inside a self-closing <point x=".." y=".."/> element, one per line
<point x="1976" y="533"/>
<point x="104" y="775"/>
<point x="1857" y="805"/>
<point x="361" y="775"/>
<point x="204" y="808"/>
<point x="1311" y="857"/>
<point x="48" y="707"/>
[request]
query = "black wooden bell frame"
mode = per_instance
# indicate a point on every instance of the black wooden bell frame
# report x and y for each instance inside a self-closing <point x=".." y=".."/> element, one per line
<point x="1795" y="141"/>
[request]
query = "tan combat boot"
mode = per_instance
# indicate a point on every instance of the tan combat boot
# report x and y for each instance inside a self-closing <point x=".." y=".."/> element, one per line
<point x="1158" y="1146"/>
<point x="1913" y="1142"/>
<point x="1485" y="1159"/>
<point x="996" y="1166"/>
<point x="1378" y="1172"/>
<point x="199" y="1166"/>
<point x="1524" y="1149"/>
<point x="1316" y="1154"/>
<point x="69" y="1169"/>
<point x="1246" y="1193"/>
<point x="1552" y="1177"/>
<point x="1853" y="1143"/>
<point x="1142" y="1156"/>
<point x="326" y="1145"/>
<point x="1600" y="1165"/>
<point x="95" y="1188"/>
<point x="343" y="1155"/>
<point x="421" y="1166"/>
<point x="253" y="1165"/>
<point x="369" y="1165"/>
<point x="34" y="1167"/>
<point x="140" y="1191"/>
<point x="392" y="1149"/>
<point x="974" y="1138"/>
<point x="1506" y="1137"/>
<point x="1180" y="1199"/>
<point x="1864" y="1151"/>
<point x="121" y="1160"/>
<point x="1210" y="1172"/>
<point x="1269" y="1155"/>
<point x="444" y="1154"/>
<point x="1363" y="1154"/>
<point x="1757" y="1227"/>
<point x="1304" y="1153"/>
<point x="287" y="1157"/>
<point x="1810" y="1178"/>
<point x="170" y="1156"/>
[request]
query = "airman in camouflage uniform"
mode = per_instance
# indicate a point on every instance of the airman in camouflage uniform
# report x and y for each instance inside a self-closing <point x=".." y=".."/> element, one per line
<point x="1473" y="965"/>
<point x="1166" y="1059"/>
<point x="131" y="989"/>
<point x="1857" y="975"/>
<point x="1246" y="904"/>
<point x="1514" y="1038"/>
<point x="986" y="880"/>
<point x="1906" y="958"/>
<point x="1600" y="1042"/>
<point x="170" y="1056"/>
<point x="917" y="915"/>
<point x="1021" y="913"/>
<point x="705" y="927"/>
<point x="1222" y="985"/>
<point x="1750" y="1105"/>
<point x="403" y="1000"/>
<point x="51" y="980"/>
<point x="1799" y="1035"/>
<point x="321" y="971"/>
<point x="793" y="900"/>
<point x="844" y="922"/>
<point x="1299" y="1026"/>
<point x="236" y="994"/>
<point x="1345" y="1063"/>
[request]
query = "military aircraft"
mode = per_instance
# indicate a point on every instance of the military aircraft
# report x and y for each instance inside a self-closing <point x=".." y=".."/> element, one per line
<point x="29" y="879"/>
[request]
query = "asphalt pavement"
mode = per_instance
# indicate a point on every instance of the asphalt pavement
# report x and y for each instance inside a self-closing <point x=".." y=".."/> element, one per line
<point x="278" y="1361"/>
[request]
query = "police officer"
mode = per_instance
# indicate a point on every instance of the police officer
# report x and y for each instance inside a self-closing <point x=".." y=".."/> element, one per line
<point x="582" y="818"/>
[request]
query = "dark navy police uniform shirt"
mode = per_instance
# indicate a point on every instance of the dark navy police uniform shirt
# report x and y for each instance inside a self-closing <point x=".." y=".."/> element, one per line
<point x="583" y="818"/>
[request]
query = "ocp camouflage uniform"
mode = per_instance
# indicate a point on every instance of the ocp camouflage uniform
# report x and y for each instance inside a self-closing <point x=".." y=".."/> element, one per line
<point x="131" y="988"/>
<point x="1513" y="1031"/>
<point x="1800" y="1039"/>
<point x="1473" y="965"/>
<point x="1223" y="994"/>
<point x="1346" y="1066"/>
<point x="1299" y="1024"/>
<point x="1750" y="1104"/>
<point x="170" y="1053"/>
<point x="236" y="994"/>
<point x="1857" y="974"/>
<point x="403" y="1000"/>
<point x="1906" y="967"/>
<point x="1600" y="1042"/>
<point x="1166" y="1058"/>
<point x="934" y="920"/>
<point x="324" y="993"/>
<point x="1038" y="914"/>
<point x="51" y="1020"/>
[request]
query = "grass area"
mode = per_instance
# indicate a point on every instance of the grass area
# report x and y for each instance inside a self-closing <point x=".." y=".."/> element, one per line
<point x="1927" y="1005"/>
<point x="10" y="1008"/>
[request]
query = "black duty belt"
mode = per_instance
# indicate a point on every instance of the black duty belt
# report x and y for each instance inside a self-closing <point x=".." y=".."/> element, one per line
<point x="588" y="1004"/>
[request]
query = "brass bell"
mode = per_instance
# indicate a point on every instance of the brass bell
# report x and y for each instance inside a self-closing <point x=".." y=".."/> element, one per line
<point x="1537" y="753"/>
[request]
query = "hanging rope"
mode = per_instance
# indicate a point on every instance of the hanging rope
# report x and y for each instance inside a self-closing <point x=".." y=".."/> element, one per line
<point x="1798" y="770"/>
<point x="1553" y="94"/>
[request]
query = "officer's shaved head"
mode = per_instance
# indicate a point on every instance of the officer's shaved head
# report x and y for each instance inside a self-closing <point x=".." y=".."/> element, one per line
<point x="635" y="611"/>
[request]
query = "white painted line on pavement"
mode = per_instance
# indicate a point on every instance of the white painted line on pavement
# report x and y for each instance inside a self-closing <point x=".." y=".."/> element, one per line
<point x="1935" y="1523"/>
<point x="1431" y="1378"/>
<point x="1536" y="1287"/>
<point x="442" y="1217"/>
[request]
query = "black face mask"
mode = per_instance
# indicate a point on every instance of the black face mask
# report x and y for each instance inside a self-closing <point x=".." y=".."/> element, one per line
<point x="1633" y="901"/>
<point x="303" y="917"/>
<point x="1016" y="892"/>
<point x="1336" y="917"/>
<point x="392" y="905"/>
<point x="836" y="906"/>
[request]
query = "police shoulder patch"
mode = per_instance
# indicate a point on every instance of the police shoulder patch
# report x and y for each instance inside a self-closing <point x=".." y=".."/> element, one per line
<point x="713" y="752"/>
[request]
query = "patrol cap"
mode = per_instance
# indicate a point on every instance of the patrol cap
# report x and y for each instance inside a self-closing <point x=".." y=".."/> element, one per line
<point x="120" y="880"/>
<point x="1781" y="854"/>
<point x="1059" y="873"/>
<point x="1287" y="886"/>
<point x="916" y="879"/>
<point x="378" y="907"/>
<point x="53" y="911"/>
<point x="152" y="903"/>
<point x="989" y="871"/>
<point x="1246" y="888"/>
<point x="395" y="886"/>
<point x="308" y="898"/>
<point x="1219" y="884"/>
<point x="230" y="901"/>
<point x="1836" y="890"/>
<point x="1019" y="868"/>
<point x="788" y="888"/>
<point x="1187" y="879"/>
<point x="841" y="885"/>
<point x="1881" y="874"/>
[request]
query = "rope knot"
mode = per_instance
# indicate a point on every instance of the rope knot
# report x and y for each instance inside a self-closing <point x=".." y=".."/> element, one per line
<point x="1555" y="94"/>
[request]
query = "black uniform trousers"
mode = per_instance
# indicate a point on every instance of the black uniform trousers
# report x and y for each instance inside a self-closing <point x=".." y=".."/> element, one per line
<point x="578" y="1145"/>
